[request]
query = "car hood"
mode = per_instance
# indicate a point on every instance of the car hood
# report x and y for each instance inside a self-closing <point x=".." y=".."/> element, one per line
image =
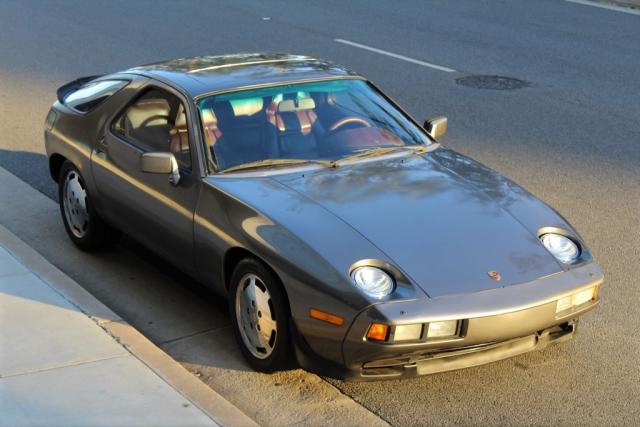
<point x="445" y="220"/>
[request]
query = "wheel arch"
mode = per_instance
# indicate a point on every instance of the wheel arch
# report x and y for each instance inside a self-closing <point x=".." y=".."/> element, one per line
<point x="236" y="254"/>
<point x="55" y="165"/>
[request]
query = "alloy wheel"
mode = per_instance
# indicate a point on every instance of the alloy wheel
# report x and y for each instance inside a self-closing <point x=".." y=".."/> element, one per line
<point x="255" y="316"/>
<point x="74" y="199"/>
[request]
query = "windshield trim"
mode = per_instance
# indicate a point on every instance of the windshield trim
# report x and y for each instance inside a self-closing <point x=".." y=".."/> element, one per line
<point x="274" y="84"/>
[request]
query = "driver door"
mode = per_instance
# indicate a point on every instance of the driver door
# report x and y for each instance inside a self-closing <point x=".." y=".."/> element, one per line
<point x="147" y="206"/>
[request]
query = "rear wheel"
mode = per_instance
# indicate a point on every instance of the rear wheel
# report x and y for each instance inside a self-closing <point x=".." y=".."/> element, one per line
<point x="260" y="314"/>
<point x="85" y="228"/>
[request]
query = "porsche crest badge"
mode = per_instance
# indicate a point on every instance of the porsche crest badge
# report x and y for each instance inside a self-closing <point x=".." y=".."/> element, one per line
<point x="494" y="275"/>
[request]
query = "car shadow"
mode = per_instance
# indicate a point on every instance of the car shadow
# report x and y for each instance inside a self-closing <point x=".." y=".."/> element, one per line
<point x="32" y="168"/>
<point x="159" y="300"/>
<point x="178" y="314"/>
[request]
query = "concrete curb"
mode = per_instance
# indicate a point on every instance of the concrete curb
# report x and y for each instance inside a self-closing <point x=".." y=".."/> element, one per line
<point x="174" y="374"/>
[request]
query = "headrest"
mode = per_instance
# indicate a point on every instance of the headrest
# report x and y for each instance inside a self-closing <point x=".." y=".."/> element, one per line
<point x="223" y="112"/>
<point x="292" y="105"/>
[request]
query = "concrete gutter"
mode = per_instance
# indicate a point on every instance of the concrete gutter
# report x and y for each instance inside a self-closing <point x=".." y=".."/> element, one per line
<point x="201" y="396"/>
<point x="635" y="4"/>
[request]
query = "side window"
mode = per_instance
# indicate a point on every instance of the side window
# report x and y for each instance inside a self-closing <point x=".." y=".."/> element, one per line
<point x="90" y="95"/>
<point x="157" y="121"/>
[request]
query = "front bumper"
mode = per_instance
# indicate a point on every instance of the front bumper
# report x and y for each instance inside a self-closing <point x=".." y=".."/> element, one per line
<point x="496" y="324"/>
<point x="431" y="363"/>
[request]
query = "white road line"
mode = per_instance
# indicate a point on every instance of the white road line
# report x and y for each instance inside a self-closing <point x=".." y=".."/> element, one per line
<point x="606" y="6"/>
<point x="395" y="55"/>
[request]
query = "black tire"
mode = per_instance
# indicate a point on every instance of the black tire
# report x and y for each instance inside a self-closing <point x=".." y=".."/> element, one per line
<point x="281" y="352"/>
<point x="95" y="233"/>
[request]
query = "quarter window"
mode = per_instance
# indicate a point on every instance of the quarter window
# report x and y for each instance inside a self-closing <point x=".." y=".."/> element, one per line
<point x="157" y="121"/>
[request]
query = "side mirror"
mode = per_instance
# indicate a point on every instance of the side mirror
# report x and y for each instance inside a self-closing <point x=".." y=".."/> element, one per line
<point x="163" y="163"/>
<point x="436" y="126"/>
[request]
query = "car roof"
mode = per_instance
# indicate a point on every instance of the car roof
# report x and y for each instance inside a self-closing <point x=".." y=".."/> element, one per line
<point x="205" y="74"/>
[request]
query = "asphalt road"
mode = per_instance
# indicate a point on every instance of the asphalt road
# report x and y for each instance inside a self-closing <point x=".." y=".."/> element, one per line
<point x="571" y="136"/>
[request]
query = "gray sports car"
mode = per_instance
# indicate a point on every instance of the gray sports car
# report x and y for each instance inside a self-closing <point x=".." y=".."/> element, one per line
<point x="340" y="230"/>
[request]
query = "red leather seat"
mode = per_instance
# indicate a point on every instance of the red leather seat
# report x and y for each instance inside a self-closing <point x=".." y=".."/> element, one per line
<point x="297" y="129"/>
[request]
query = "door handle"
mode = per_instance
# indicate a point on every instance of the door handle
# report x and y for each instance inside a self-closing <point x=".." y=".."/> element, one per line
<point x="101" y="149"/>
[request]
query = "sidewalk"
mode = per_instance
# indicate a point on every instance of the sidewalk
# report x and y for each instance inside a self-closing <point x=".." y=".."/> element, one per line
<point x="66" y="359"/>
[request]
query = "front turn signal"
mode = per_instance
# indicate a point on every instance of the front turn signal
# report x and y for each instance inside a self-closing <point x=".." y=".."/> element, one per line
<point x="378" y="332"/>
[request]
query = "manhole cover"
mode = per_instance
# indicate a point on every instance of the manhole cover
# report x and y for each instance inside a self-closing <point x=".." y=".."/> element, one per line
<point x="492" y="82"/>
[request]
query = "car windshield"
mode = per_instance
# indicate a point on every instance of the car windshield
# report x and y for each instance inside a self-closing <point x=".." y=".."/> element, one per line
<point x="316" y="122"/>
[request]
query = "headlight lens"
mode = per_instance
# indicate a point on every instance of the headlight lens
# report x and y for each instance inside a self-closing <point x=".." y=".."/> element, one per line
<point x="563" y="248"/>
<point x="373" y="281"/>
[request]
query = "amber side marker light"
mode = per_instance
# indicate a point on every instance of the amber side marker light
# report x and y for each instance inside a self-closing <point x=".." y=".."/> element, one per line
<point x="326" y="317"/>
<point x="378" y="332"/>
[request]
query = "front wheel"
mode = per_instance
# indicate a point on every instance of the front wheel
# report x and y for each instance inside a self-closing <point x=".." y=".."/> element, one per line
<point x="85" y="228"/>
<point x="260" y="314"/>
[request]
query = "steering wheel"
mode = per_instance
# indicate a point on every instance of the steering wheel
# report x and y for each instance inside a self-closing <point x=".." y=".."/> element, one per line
<point x="347" y="120"/>
<point x="150" y="119"/>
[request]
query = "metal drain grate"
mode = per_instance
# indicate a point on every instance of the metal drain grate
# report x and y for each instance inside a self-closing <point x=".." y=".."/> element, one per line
<point x="492" y="82"/>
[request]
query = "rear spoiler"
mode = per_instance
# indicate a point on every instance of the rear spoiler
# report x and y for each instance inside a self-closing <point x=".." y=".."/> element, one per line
<point x="66" y="89"/>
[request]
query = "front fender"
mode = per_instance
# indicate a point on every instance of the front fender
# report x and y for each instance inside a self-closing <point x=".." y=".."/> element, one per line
<point x="310" y="249"/>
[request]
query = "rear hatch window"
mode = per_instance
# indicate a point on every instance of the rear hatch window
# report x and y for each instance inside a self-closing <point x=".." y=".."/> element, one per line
<point x="92" y="94"/>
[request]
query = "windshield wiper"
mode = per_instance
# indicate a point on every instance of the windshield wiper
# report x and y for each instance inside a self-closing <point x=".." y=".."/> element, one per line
<point x="366" y="153"/>
<point x="378" y="151"/>
<point x="274" y="162"/>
